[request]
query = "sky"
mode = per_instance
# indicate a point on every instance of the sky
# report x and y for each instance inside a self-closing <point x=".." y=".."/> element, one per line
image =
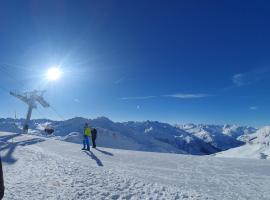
<point x="170" y="61"/>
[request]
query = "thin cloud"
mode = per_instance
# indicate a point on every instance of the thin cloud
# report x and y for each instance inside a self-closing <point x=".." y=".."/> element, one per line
<point x="253" y="108"/>
<point x="177" y="95"/>
<point x="138" y="98"/>
<point x="77" y="100"/>
<point x="187" y="96"/>
<point x="240" y="80"/>
<point x="120" y="80"/>
<point x="247" y="78"/>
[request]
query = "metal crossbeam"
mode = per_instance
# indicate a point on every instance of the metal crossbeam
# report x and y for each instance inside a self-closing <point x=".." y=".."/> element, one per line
<point x="31" y="99"/>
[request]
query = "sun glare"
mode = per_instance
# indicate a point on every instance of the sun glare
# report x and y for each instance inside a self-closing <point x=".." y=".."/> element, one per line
<point x="53" y="73"/>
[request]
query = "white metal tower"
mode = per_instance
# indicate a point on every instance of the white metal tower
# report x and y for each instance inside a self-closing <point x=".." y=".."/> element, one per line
<point x="31" y="99"/>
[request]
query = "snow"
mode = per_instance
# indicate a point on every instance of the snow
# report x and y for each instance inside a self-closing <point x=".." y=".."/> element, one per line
<point x="257" y="146"/>
<point x="45" y="168"/>
<point x="148" y="130"/>
<point x="222" y="137"/>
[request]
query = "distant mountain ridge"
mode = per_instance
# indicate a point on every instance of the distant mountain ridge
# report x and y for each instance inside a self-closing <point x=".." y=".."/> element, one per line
<point x="144" y="136"/>
<point x="257" y="146"/>
<point x="220" y="136"/>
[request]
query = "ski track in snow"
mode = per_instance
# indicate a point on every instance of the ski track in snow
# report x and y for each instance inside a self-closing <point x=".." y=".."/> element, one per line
<point x="54" y="169"/>
<point x="55" y="178"/>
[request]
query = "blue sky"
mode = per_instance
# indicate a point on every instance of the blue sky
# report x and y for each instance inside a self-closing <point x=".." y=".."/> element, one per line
<point x="171" y="61"/>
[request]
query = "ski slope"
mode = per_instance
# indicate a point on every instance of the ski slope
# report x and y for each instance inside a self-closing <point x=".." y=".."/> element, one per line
<point x="45" y="168"/>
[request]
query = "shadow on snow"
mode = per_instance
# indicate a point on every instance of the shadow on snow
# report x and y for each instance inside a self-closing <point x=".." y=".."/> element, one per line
<point x="94" y="157"/>
<point x="7" y="144"/>
<point x="104" y="152"/>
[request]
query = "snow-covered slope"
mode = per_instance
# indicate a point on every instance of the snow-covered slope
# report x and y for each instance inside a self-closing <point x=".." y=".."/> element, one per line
<point x="44" y="168"/>
<point x="219" y="136"/>
<point x="168" y="134"/>
<point x="258" y="146"/>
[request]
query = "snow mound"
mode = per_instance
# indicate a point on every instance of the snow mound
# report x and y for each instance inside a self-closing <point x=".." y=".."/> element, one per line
<point x="258" y="146"/>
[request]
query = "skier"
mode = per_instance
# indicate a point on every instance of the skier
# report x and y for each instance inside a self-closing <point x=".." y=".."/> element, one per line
<point x="86" y="135"/>
<point x="94" y="137"/>
<point x="1" y="181"/>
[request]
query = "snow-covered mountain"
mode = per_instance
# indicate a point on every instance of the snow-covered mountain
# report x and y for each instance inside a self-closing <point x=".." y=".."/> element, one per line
<point x="143" y="136"/>
<point x="222" y="137"/>
<point x="168" y="134"/>
<point x="38" y="168"/>
<point x="257" y="146"/>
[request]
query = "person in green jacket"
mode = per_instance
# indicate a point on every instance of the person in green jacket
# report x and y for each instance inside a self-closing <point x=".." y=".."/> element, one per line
<point x="86" y="135"/>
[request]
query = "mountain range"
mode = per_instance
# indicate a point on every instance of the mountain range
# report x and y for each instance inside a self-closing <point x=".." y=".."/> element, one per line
<point x="150" y="136"/>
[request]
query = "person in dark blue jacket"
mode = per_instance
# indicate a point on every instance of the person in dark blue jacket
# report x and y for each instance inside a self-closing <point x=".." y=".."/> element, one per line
<point x="94" y="137"/>
<point x="1" y="181"/>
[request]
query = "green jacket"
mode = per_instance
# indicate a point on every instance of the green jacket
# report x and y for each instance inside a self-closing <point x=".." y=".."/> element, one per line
<point x="87" y="131"/>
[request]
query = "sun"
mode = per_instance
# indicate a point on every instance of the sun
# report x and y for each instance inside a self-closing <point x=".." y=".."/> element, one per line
<point x="53" y="73"/>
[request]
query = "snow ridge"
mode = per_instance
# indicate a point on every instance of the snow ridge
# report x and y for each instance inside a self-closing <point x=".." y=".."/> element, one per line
<point x="222" y="137"/>
<point x="257" y="146"/>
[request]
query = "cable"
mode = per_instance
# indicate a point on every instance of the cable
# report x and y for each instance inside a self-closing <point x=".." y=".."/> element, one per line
<point x="60" y="116"/>
<point x="43" y="116"/>
<point x="20" y="85"/>
<point x="20" y="67"/>
<point x="4" y="89"/>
